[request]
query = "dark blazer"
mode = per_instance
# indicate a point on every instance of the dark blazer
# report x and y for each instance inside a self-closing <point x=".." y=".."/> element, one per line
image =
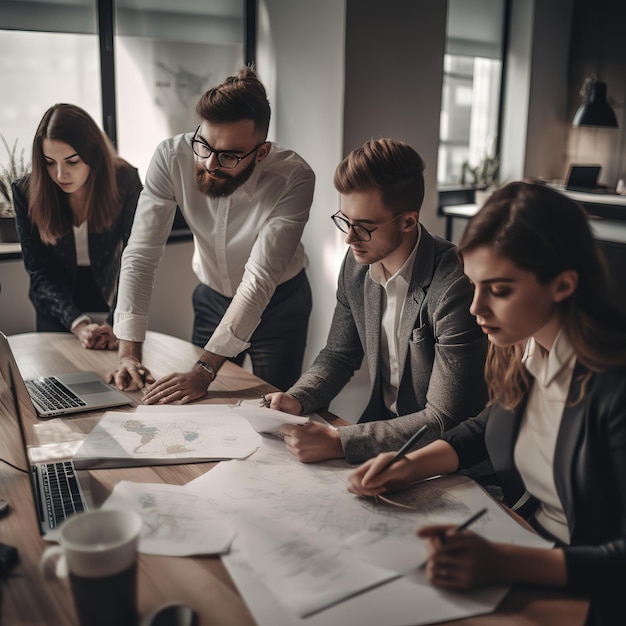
<point x="52" y="268"/>
<point x="589" y="474"/>
<point x="441" y="353"/>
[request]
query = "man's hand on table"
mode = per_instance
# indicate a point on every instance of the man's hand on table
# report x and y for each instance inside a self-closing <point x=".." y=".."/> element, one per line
<point x="130" y="374"/>
<point x="284" y="402"/>
<point x="178" y="388"/>
<point x="312" y="442"/>
<point x="181" y="388"/>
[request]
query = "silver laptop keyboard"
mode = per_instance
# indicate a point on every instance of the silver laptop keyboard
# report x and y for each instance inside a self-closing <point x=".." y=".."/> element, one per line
<point x="52" y="395"/>
<point x="61" y="492"/>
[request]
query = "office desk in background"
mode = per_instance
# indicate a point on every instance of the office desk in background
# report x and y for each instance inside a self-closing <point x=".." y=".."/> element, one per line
<point x="202" y="582"/>
<point x="610" y="208"/>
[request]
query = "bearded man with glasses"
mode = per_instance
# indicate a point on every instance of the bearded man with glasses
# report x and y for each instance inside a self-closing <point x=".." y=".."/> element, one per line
<point x="246" y="201"/>
<point x="403" y="303"/>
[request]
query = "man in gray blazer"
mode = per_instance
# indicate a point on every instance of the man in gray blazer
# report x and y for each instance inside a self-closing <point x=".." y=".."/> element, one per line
<point x="403" y="301"/>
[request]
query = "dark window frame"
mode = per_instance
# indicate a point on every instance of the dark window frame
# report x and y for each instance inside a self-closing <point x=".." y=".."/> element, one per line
<point x="106" y="37"/>
<point x="506" y="33"/>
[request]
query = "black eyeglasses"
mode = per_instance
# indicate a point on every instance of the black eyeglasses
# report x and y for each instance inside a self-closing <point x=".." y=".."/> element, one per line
<point x="360" y="232"/>
<point x="227" y="160"/>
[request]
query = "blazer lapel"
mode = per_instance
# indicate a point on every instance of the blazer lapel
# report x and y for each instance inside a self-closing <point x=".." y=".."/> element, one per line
<point x="570" y="432"/>
<point x="421" y="278"/>
<point x="373" y="294"/>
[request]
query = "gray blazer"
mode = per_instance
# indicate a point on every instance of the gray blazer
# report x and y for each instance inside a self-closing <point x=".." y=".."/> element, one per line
<point x="442" y="353"/>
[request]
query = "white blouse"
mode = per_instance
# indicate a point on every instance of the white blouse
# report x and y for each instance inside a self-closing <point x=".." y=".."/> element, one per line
<point x="536" y="440"/>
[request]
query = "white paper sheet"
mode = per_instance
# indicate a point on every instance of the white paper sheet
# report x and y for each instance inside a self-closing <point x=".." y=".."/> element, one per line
<point x="167" y="434"/>
<point x="401" y="602"/>
<point x="264" y="419"/>
<point x="176" y="522"/>
<point x="306" y="572"/>
<point x="271" y="487"/>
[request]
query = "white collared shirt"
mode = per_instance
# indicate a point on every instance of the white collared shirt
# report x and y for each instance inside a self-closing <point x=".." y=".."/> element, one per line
<point x="244" y="245"/>
<point x="536" y="441"/>
<point x="395" y="290"/>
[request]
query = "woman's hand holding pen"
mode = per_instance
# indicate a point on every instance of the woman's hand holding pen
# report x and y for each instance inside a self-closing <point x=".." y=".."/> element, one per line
<point x="461" y="560"/>
<point x="370" y="479"/>
<point x="378" y="476"/>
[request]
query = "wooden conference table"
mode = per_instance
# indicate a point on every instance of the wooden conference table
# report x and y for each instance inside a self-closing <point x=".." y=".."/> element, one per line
<point x="202" y="582"/>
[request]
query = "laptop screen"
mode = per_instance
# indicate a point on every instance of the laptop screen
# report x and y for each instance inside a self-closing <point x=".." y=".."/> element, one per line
<point x="583" y="176"/>
<point x="17" y="407"/>
<point x="18" y="418"/>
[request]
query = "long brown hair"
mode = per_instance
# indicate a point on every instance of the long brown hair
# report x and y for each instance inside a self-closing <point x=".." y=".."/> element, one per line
<point x="75" y="127"/>
<point x="544" y="232"/>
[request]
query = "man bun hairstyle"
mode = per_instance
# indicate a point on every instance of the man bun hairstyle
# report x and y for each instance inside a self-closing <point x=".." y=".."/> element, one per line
<point x="239" y="97"/>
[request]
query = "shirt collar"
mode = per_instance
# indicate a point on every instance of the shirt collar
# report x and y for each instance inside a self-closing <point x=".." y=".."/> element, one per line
<point x="249" y="187"/>
<point x="546" y="366"/>
<point x="405" y="272"/>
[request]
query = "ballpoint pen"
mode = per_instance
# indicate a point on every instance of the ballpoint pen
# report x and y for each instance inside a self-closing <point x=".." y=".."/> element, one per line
<point x="468" y="522"/>
<point x="404" y="449"/>
<point x="264" y="401"/>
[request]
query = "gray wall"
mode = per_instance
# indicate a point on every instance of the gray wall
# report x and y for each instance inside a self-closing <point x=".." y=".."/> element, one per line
<point x="535" y="104"/>
<point x="548" y="124"/>
<point x="394" y="73"/>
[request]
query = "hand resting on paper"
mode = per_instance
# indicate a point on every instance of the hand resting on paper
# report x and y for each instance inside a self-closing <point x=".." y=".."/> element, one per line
<point x="312" y="442"/>
<point x="284" y="402"/>
<point x="369" y="480"/>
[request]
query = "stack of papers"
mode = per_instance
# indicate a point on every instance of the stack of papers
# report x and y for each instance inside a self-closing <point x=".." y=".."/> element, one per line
<point x="165" y="435"/>
<point x="171" y="434"/>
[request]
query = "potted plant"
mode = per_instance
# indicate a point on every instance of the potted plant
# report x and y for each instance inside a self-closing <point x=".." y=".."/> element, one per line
<point x="484" y="177"/>
<point x="12" y="170"/>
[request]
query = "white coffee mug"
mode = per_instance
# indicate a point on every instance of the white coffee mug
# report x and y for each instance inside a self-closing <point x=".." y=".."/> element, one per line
<point x="98" y="551"/>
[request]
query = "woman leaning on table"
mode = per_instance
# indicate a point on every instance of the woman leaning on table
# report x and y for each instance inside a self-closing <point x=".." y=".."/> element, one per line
<point x="74" y="213"/>
<point x="555" y="425"/>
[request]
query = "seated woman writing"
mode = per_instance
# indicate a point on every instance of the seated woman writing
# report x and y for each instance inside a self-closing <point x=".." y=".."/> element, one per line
<point x="74" y="214"/>
<point x="555" y="425"/>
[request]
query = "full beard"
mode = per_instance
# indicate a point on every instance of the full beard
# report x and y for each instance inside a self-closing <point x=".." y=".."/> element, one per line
<point x="220" y="184"/>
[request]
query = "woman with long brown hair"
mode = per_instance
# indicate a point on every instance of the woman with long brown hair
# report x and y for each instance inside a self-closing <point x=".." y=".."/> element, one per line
<point x="555" y="425"/>
<point x="74" y="214"/>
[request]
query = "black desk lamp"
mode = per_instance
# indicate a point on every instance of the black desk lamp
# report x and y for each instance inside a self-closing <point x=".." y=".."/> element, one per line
<point x="594" y="110"/>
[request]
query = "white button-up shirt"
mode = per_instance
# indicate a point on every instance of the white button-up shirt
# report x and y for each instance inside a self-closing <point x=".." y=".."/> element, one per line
<point x="536" y="441"/>
<point x="395" y="290"/>
<point x="244" y="245"/>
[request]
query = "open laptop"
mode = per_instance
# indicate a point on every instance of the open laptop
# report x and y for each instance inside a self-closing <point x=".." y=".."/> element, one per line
<point x="56" y="491"/>
<point x="65" y="393"/>
<point x="584" y="178"/>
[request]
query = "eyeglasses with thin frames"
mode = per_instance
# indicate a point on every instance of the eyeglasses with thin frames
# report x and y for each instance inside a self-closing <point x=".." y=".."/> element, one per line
<point x="226" y="159"/>
<point x="360" y="232"/>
